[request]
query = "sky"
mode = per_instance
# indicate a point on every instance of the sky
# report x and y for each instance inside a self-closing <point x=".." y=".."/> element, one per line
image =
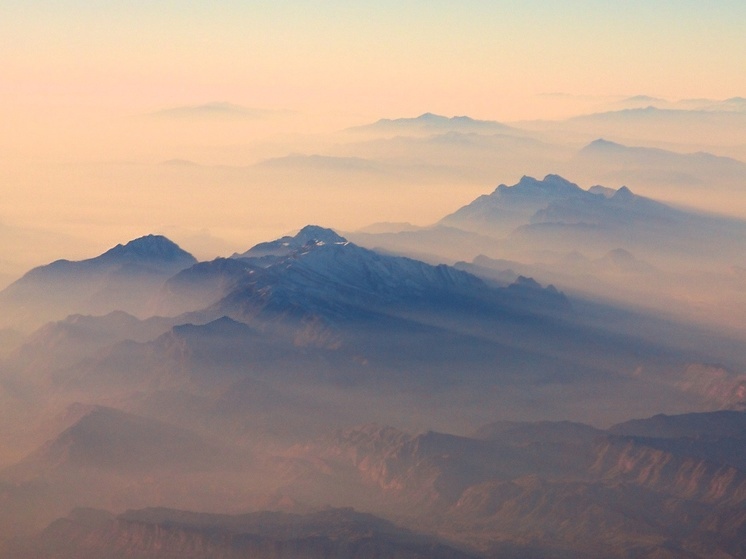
<point x="365" y="58"/>
<point x="81" y="81"/>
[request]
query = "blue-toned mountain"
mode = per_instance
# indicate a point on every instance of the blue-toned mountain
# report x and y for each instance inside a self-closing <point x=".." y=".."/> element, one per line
<point x="508" y="207"/>
<point x="123" y="278"/>
<point x="556" y="215"/>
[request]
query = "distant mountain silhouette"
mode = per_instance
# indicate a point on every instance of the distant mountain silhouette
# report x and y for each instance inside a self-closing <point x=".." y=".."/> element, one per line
<point x="555" y="214"/>
<point x="431" y="123"/>
<point x="106" y="439"/>
<point x="701" y="426"/>
<point x="646" y="165"/>
<point x="508" y="207"/>
<point x="642" y="101"/>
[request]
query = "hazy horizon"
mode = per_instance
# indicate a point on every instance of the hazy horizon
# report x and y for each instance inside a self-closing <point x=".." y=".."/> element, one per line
<point x="96" y="98"/>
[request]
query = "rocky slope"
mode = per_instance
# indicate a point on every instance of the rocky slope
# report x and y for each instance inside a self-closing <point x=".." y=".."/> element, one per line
<point x="165" y="534"/>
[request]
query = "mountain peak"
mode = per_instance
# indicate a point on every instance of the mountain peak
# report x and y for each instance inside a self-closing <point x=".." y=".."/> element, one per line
<point x="645" y="99"/>
<point x="123" y="278"/>
<point x="432" y="122"/>
<point x="604" y="191"/>
<point x="309" y="235"/>
<point x="149" y="247"/>
<point x="431" y="116"/>
<point x="550" y="183"/>
<point x="508" y="207"/>
<point x="317" y="234"/>
<point x="623" y="193"/>
<point x="435" y="118"/>
<point x="601" y="144"/>
<point x="526" y="282"/>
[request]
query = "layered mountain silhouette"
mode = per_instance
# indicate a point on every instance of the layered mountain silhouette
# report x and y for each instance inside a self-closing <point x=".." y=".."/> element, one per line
<point x="62" y="343"/>
<point x="511" y="206"/>
<point x="653" y="124"/>
<point x="642" y="101"/>
<point x="314" y="308"/>
<point x="106" y="439"/>
<point x="697" y="164"/>
<point x="114" y="458"/>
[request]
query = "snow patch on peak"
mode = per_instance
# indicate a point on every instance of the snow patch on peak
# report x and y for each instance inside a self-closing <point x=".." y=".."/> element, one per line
<point x="308" y="237"/>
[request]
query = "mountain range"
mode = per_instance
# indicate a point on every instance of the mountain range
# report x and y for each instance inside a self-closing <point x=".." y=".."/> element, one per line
<point x="606" y="243"/>
<point x="554" y="210"/>
<point x="467" y="405"/>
